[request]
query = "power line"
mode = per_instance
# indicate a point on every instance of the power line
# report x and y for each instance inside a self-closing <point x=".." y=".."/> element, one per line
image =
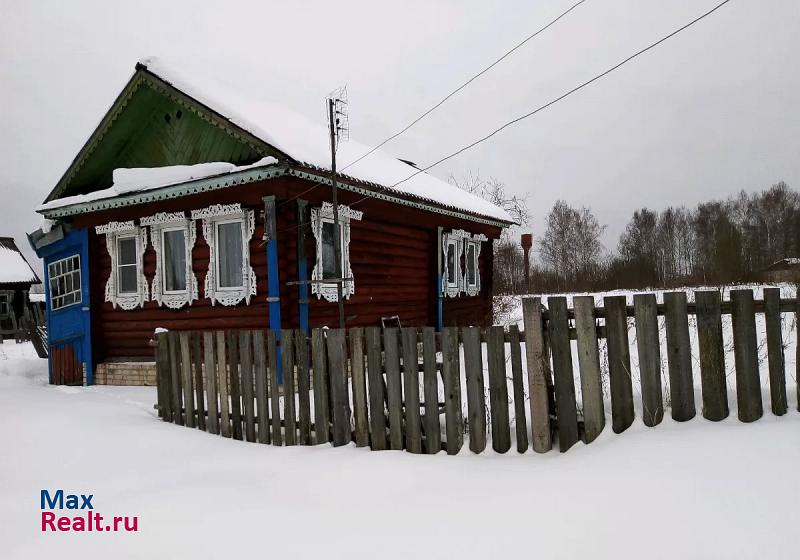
<point x="559" y="98"/>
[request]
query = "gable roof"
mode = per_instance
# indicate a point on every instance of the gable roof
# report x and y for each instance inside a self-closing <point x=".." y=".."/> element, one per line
<point x="14" y="269"/>
<point x="297" y="141"/>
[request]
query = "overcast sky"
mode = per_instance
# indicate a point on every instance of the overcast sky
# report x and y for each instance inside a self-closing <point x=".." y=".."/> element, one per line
<point x="706" y="114"/>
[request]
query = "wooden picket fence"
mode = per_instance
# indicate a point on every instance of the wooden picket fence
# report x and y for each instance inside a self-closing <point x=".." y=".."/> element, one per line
<point x="402" y="388"/>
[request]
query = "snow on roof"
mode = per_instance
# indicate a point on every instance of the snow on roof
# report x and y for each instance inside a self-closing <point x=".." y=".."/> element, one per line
<point x="36" y="298"/>
<point x="13" y="266"/>
<point x="308" y="142"/>
<point x="139" y="179"/>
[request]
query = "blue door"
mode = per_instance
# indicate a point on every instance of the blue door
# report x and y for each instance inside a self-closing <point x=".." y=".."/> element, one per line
<point x="66" y="273"/>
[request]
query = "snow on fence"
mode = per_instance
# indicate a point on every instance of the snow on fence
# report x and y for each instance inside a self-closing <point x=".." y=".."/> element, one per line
<point x="402" y="388"/>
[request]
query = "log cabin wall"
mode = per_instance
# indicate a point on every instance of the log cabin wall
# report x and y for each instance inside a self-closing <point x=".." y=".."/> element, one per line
<point x="393" y="255"/>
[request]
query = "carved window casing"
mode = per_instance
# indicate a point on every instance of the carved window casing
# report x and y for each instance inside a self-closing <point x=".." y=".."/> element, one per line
<point x="459" y="247"/>
<point x="228" y="230"/>
<point x="323" y="227"/>
<point x="173" y="237"/>
<point x="126" y="286"/>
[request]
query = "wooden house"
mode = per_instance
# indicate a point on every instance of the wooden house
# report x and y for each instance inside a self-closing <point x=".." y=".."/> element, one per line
<point x="16" y="278"/>
<point x="192" y="207"/>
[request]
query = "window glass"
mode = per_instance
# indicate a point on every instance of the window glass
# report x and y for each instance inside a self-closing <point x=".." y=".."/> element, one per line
<point x="65" y="282"/>
<point x="451" y="263"/>
<point x="3" y="304"/>
<point x="329" y="250"/>
<point x="230" y="259"/>
<point x="126" y="266"/>
<point x="471" y="264"/>
<point x="174" y="260"/>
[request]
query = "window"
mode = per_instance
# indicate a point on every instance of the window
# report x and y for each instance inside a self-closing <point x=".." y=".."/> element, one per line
<point x="4" y="305"/>
<point x="228" y="229"/>
<point x="461" y="263"/>
<point x="325" y="267"/>
<point x="473" y="282"/>
<point x="126" y="286"/>
<point x="173" y="237"/>
<point x="65" y="282"/>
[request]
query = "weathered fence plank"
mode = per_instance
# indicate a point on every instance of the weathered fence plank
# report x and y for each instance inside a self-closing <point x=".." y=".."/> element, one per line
<point x="262" y="396"/>
<point x="451" y="376"/>
<point x="649" y="349"/>
<point x="303" y="387"/>
<point x="211" y="382"/>
<point x="594" y="416"/>
<point x="320" y="371"/>
<point x="433" y="436"/>
<point x="498" y="389"/>
<point x="340" y="404"/>
<point x="476" y="392"/>
<point x="359" y="382"/>
<point x="679" y="357"/>
<point x="619" y="363"/>
<point x="274" y="388"/>
<point x="797" y="352"/>
<point x="222" y="385"/>
<point x="563" y="376"/>
<point x="520" y="422"/>
<point x="197" y="360"/>
<point x="246" y="361"/>
<point x="186" y="376"/>
<point x="377" y="415"/>
<point x="712" y="355"/>
<point x="394" y="387"/>
<point x="745" y="351"/>
<point x="236" y="391"/>
<point x="164" y="377"/>
<point x="175" y="378"/>
<point x="411" y="390"/>
<point x="538" y="363"/>
<point x="289" y="407"/>
<point x="777" y="377"/>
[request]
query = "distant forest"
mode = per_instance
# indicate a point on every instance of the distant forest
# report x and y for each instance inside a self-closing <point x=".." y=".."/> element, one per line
<point x="718" y="242"/>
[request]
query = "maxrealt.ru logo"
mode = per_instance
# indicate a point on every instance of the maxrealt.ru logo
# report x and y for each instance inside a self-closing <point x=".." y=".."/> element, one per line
<point x="84" y="519"/>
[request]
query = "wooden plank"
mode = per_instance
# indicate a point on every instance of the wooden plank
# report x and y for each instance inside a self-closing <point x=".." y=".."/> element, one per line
<point x="413" y="422"/>
<point x="164" y="377"/>
<point x="186" y="376"/>
<point x="451" y="376"/>
<point x="175" y="378"/>
<point x="236" y="391"/>
<point x="197" y="359"/>
<point x="619" y="363"/>
<point x="476" y="391"/>
<point x="775" y="358"/>
<point x="246" y="361"/>
<point x="360" y="417"/>
<point x="745" y="351"/>
<point x="649" y="348"/>
<point x="712" y="355"/>
<point x="212" y="423"/>
<point x="303" y="387"/>
<point x="433" y="434"/>
<point x="321" y="412"/>
<point x="377" y="396"/>
<point x="679" y="357"/>
<point x="797" y="351"/>
<point x="563" y="376"/>
<point x="394" y="387"/>
<point x="520" y="422"/>
<point x="274" y="388"/>
<point x="262" y="386"/>
<point x="537" y="362"/>
<point x="594" y="416"/>
<point x="337" y="368"/>
<point x="222" y="385"/>
<point x="289" y="405"/>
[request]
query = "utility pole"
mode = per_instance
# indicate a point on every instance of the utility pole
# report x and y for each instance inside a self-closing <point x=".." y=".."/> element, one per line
<point x="337" y="237"/>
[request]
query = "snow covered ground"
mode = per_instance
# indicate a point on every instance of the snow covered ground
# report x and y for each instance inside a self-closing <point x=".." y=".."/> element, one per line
<point x="692" y="490"/>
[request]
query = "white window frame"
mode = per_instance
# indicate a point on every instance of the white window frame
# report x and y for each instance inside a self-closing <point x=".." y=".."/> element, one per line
<point x="120" y="230"/>
<point x="53" y="275"/>
<point x="452" y="289"/>
<point x="5" y="301"/>
<point x="474" y="288"/>
<point x="160" y="224"/>
<point x="462" y="240"/>
<point x="212" y="217"/>
<point x="319" y="216"/>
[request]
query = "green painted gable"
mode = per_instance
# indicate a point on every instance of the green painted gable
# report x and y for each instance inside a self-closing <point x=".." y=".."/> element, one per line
<point x="151" y="124"/>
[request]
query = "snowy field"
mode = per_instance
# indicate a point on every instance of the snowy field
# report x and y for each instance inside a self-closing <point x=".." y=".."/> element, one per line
<point x="692" y="490"/>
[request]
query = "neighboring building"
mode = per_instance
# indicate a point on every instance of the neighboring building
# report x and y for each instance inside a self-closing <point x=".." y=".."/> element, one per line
<point x="192" y="208"/>
<point x="785" y="270"/>
<point x="16" y="278"/>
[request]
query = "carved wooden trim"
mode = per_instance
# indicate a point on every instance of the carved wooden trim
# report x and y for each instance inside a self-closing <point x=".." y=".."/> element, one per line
<point x="112" y="231"/>
<point x="159" y="223"/>
<point x="320" y="215"/>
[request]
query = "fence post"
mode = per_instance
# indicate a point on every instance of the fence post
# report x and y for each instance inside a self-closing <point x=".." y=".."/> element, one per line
<point x="777" y="377"/>
<point x="745" y="350"/>
<point x="712" y="355"/>
<point x="340" y="404"/>
<point x="236" y="398"/>
<point x="211" y="382"/>
<point x="594" y="416"/>
<point x="246" y="359"/>
<point x="433" y="436"/>
<point x="377" y="394"/>
<point x="394" y="387"/>
<point x="289" y="409"/>
<point x="498" y="389"/>
<point x="563" y="376"/>
<point x="520" y="422"/>
<point x="679" y="357"/>
<point x="452" y="390"/>
<point x="619" y="363"/>
<point x="164" y="379"/>
<point x="359" y="387"/>
<point x="175" y="376"/>
<point x="537" y="360"/>
<point x="197" y="358"/>
<point x="274" y="388"/>
<point x="476" y="392"/>
<point x="649" y="348"/>
<point x="321" y="408"/>
<point x="411" y="390"/>
<point x="222" y="370"/>
<point x="262" y="397"/>
<point x="303" y="386"/>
